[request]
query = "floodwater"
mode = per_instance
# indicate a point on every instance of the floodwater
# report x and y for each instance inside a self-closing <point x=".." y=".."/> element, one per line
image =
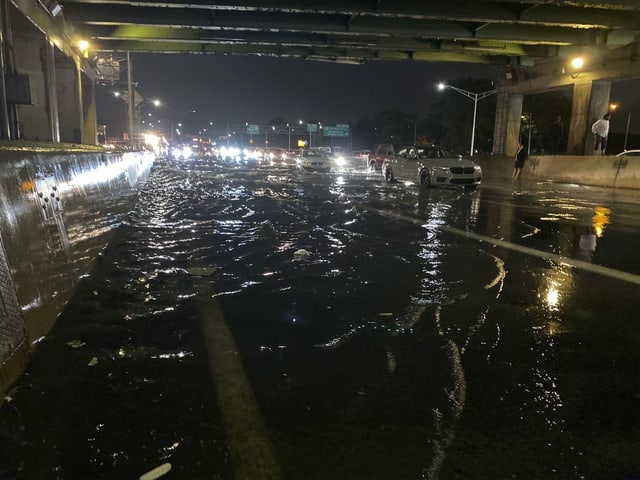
<point x="267" y="323"/>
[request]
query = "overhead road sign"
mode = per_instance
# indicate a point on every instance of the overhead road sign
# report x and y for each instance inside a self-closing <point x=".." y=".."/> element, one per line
<point x="338" y="130"/>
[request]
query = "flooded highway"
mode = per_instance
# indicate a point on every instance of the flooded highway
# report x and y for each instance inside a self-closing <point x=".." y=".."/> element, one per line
<point x="266" y="323"/>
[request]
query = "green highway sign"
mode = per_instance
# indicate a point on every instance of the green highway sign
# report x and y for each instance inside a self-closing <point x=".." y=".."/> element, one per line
<point x="253" y="129"/>
<point x="338" y="130"/>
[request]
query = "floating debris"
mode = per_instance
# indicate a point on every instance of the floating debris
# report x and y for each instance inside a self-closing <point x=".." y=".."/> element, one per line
<point x="93" y="362"/>
<point x="201" y="271"/>
<point x="391" y="362"/>
<point x="76" y="344"/>
<point x="156" y="472"/>
<point x="301" y="254"/>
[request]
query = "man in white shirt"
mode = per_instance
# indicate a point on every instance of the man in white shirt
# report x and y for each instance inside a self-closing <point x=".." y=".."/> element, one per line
<point x="600" y="129"/>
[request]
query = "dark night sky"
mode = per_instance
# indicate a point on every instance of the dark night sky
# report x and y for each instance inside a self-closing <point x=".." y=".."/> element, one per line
<point x="238" y="89"/>
<point x="235" y="89"/>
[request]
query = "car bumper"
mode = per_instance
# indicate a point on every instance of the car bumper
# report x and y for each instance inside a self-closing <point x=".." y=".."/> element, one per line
<point x="315" y="166"/>
<point x="444" y="179"/>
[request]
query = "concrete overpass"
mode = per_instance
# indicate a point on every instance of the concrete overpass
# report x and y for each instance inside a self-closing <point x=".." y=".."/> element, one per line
<point x="47" y="92"/>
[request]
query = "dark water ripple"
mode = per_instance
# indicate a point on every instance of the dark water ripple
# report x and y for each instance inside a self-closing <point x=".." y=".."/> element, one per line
<point x="377" y="345"/>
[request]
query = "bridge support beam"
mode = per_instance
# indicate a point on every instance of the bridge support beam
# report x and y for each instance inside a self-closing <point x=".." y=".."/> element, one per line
<point x="591" y="91"/>
<point x="47" y="90"/>
<point x="598" y="106"/>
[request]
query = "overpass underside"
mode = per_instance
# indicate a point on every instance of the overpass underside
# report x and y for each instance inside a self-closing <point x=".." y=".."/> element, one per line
<point x="590" y="99"/>
<point x="47" y="90"/>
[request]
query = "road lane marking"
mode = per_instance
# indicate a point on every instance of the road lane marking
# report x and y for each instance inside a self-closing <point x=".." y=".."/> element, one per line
<point x="251" y="449"/>
<point x="581" y="264"/>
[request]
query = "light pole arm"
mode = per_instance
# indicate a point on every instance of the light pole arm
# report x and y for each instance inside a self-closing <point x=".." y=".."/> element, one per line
<point x="471" y="95"/>
<point x="475" y="97"/>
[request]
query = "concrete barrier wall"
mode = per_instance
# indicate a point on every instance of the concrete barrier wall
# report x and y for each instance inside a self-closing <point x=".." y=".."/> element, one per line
<point x="58" y="211"/>
<point x="605" y="171"/>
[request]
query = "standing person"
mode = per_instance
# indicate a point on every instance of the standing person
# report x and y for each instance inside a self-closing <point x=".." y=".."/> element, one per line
<point x="557" y="131"/>
<point x="600" y="129"/>
<point x="518" y="161"/>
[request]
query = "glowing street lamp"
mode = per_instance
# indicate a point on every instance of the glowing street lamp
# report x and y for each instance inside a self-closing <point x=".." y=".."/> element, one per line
<point x="473" y="96"/>
<point x="577" y="63"/>
<point x="155" y="103"/>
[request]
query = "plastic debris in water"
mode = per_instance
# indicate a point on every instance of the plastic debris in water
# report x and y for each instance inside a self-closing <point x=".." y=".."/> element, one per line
<point x="76" y="343"/>
<point x="301" y="253"/>
<point x="391" y="362"/>
<point x="156" y="472"/>
<point x="201" y="271"/>
<point x="93" y="362"/>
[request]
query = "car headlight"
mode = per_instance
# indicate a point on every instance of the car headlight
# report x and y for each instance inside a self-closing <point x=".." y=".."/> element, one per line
<point x="477" y="168"/>
<point x="441" y="169"/>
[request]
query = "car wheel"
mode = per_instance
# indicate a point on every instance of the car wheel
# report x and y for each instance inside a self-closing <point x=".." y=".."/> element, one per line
<point x="388" y="175"/>
<point x="425" y="178"/>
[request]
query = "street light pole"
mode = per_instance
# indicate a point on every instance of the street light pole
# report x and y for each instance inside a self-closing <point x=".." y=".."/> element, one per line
<point x="181" y="120"/>
<point x="155" y="103"/>
<point x="529" y="139"/>
<point x="626" y="133"/>
<point x="130" y="99"/>
<point x="475" y="97"/>
<point x="415" y="127"/>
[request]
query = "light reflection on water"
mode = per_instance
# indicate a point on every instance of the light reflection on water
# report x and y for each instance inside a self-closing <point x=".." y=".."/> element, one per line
<point x="414" y="350"/>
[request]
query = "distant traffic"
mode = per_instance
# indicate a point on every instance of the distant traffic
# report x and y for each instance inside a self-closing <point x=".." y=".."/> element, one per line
<point x="423" y="165"/>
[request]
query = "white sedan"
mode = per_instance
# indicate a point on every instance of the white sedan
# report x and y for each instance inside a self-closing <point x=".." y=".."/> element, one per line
<point x="313" y="160"/>
<point x="431" y="166"/>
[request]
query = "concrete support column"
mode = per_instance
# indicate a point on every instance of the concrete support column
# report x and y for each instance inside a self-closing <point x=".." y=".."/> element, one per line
<point x="66" y="82"/>
<point x="130" y="99"/>
<point x="500" y="125"/>
<point x="598" y="106"/>
<point x="52" y="90"/>
<point x="590" y="102"/>
<point x="8" y="66"/>
<point x="579" y="118"/>
<point x="79" y="99"/>
<point x="513" y="123"/>
<point x="5" y="133"/>
<point x="89" y="116"/>
<point x="30" y="47"/>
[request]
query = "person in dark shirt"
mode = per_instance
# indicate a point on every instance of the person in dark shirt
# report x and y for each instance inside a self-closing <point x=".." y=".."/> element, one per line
<point x="557" y="132"/>
<point x="518" y="161"/>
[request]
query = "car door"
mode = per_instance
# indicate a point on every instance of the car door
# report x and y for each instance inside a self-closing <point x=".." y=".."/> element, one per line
<point x="404" y="163"/>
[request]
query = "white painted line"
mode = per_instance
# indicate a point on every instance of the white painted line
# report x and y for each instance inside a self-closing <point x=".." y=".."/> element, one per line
<point x="252" y="452"/>
<point x="590" y="267"/>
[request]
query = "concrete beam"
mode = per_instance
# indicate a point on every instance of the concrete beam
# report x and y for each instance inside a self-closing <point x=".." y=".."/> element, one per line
<point x="578" y="124"/>
<point x="598" y="106"/>
<point x="62" y="33"/>
<point x="514" y="119"/>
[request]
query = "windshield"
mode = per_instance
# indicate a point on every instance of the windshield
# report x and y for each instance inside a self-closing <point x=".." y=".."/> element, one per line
<point x="310" y="153"/>
<point x="434" y="152"/>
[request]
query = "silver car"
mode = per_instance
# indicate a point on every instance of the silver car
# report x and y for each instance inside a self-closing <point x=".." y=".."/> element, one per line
<point x="313" y="160"/>
<point x="431" y="166"/>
